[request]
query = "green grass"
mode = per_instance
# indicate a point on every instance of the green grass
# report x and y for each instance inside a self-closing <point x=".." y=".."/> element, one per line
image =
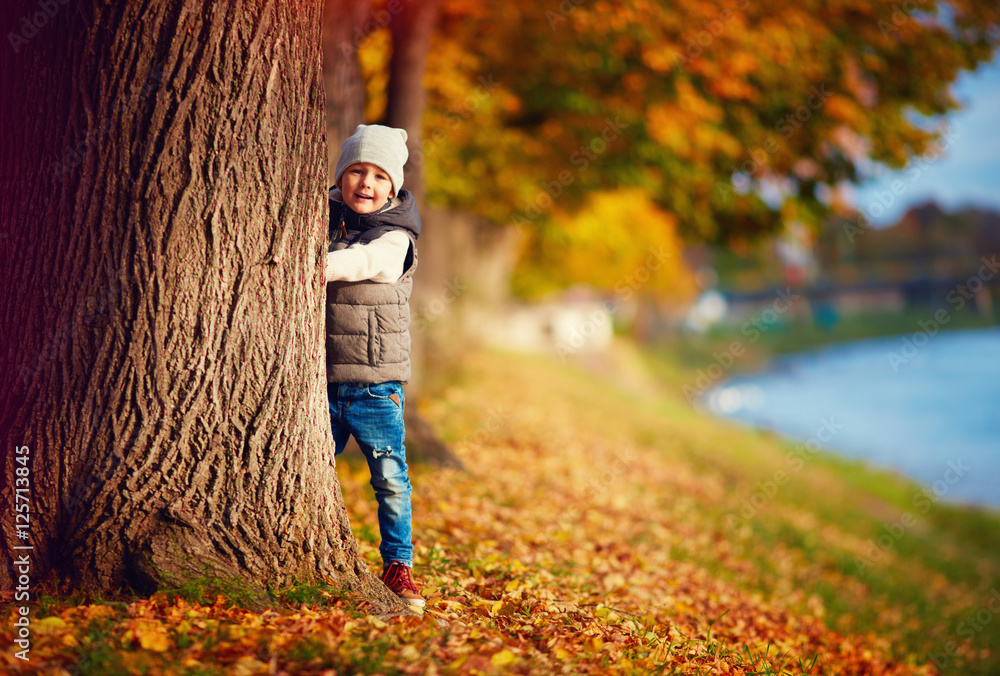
<point x="98" y="655"/>
<point x="205" y="588"/>
<point x="807" y="538"/>
<point x="311" y="594"/>
<point x="929" y="577"/>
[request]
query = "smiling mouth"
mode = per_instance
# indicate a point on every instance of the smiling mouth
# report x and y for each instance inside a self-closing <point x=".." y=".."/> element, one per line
<point x="363" y="197"/>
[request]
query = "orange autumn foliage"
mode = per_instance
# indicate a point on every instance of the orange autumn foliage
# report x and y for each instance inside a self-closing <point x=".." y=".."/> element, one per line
<point x="531" y="562"/>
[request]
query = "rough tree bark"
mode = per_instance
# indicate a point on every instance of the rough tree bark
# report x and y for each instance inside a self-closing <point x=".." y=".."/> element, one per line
<point x="164" y="217"/>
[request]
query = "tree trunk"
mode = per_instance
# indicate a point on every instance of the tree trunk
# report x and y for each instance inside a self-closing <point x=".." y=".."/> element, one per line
<point x="346" y="24"/>
<point x="412" y="30"/>
<point x="164" y="215"/>
<point x="412" y="27"/>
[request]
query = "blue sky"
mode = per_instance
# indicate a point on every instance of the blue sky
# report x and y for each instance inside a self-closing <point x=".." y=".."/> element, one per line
<point x="968" y="173"/>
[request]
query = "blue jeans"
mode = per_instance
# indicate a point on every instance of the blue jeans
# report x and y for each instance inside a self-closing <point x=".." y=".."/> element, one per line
<point x="373" y="413"/>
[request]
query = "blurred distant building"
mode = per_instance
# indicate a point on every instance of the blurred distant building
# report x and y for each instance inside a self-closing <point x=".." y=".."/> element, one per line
<point x="796" y="250"/>
<point x="921" y="261"/>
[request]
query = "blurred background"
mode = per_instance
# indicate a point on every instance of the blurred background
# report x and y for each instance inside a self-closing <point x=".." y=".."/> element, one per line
<point x="796" y="203"/>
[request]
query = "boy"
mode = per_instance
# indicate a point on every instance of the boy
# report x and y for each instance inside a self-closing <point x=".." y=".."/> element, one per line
<point x="369" y="272"/>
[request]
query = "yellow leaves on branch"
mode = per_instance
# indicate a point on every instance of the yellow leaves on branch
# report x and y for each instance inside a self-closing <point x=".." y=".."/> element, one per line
<point x="620" y="242"/>
<point x="373" y="56"/>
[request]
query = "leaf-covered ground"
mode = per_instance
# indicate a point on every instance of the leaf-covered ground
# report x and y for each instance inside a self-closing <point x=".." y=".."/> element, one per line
<point x="596" y="529"/>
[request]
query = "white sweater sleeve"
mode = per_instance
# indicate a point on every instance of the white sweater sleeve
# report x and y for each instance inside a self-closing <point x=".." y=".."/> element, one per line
<point x="380" y="260"/>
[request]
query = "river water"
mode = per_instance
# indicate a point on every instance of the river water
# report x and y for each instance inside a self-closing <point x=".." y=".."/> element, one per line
<point x="925" y="405"/>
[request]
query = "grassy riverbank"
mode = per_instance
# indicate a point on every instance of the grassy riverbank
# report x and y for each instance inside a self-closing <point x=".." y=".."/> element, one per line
<point x="760" y="341"/>
<point x="601" y="526"/>
<point x="868" y="552"/>
<point x="886" y="555"/>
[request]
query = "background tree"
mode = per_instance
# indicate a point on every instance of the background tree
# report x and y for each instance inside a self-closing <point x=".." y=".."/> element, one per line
<point x="407" y="99"/>
<point x="346" y="24"/>
<point x="734" y="118"/>
<point x="165" y="222"/>
<point x="636" y="260"/>
<point x="403" y="32"/>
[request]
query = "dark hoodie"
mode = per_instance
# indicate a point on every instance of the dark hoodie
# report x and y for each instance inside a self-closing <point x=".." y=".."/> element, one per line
<point x="367" y="323"/>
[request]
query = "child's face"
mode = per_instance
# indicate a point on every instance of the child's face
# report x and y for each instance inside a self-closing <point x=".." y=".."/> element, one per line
<point x="366" y="187"/>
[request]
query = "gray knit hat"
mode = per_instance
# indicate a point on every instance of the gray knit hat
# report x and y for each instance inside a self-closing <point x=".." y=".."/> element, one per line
<point x="384" y="147"/>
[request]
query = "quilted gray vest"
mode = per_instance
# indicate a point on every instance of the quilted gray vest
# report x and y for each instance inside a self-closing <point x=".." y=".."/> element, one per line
<point x="367" y="323"/>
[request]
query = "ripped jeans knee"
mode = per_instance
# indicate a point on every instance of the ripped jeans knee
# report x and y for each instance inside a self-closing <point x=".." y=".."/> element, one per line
<point x="373" y="415"/>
